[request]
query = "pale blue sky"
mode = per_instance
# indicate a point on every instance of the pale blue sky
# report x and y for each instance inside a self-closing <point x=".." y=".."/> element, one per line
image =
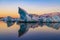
<point x="31" y="6"/>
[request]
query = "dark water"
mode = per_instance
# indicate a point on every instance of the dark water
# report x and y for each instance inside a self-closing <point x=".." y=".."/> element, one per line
<point x="28" y="31"/>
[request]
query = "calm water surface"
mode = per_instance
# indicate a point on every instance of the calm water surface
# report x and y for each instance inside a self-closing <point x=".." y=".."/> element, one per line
<point x="37" y="33"/>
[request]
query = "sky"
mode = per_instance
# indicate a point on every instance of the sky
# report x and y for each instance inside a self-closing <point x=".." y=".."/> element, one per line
<point x="39" y="7"/>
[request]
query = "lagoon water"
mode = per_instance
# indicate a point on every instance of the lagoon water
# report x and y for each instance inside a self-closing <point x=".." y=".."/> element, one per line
<point x="37" y="33"/>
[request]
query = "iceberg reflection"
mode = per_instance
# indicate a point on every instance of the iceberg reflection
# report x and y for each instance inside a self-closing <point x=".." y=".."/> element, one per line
<point x="10" y="23"/>
<point x="24" y="27"/>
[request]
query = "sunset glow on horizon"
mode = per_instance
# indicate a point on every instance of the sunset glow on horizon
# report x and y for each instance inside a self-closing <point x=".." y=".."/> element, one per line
<point x="39" y="7"/>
